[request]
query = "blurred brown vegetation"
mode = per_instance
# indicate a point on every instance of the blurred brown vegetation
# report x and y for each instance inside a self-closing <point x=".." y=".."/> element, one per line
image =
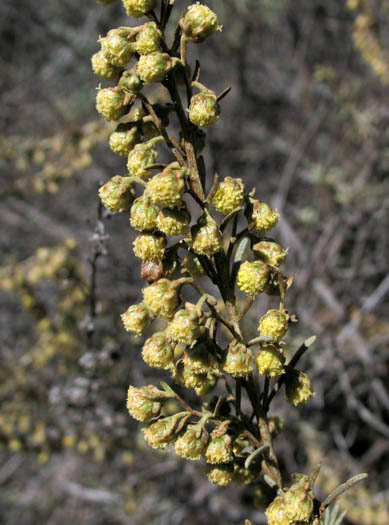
<point x="307" y="124"/>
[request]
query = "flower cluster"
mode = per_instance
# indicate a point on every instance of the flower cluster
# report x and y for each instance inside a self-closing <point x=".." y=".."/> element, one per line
<point x="184" y="229"/>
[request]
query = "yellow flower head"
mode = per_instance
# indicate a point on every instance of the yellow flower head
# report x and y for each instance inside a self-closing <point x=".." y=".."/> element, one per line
<point x="229" y="195"/>
<point x="252" y="277"/>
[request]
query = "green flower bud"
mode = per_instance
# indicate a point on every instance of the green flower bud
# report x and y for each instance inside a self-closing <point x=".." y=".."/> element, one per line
<point x="123" y="140"/>
<point x="200" y="360"/>
<point x="140" y="158"/>
<point x="274" y="323"/>
<point x="298" y="388"/>
<point x="173" y="221"/>
<point x="219" y="449"/>
<point x="270" y="252"/>
<point x="158" y="351"/>
<point x="206" y="236"/>
<point x="130" y="81"/>
<point x="166" y="188"/>
<point x="143" y="403"/>
<point x="154" y="67"/>
<point x="270" y="361"/>
<point x="229" y="195"/>
<point x="163" y="297"/>
<point x="244" y="476"/>
<point x="298" y="501"/>
<point x="103" y="68"/>
<point x="144" y="214"/>
<point x="149" y="247"/>
<point x="148" y="39"/>
<point x="116" y="48"/>
<point x="191" y="443"/>
<point x="204" y="109"/>
<point x="117" y="194"/>
<point x="262" y="215"/>
<point x="137" y="318"/>
<point x="192" y="265"/>
<point x="275" y="512"/>
<point x="184" y="327"/>
<point x="159" y="434"/>
<point x="110" y="103"/>
<point x="237" y="360"/>
<point x="220" y="475"/>
<point x="252" y="277"/>
<point x="199" y="22"/>
<point x="138" y="8"/>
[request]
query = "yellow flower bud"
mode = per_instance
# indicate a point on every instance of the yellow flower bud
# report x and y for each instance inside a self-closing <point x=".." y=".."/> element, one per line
<point x="274" y="323"/>
<point x="140" y="158"/>
<point x="262" y="215"/>
<point x="206" y="238"/>
<point x="220" y="474"/>
<point x="166" y="188"/>
<point x="275" y="512"/>
<point x="184" y="327"/>
<point x="229" y="195"/>
<point x="237" y="360"/>
<point x="138" y="8"/>
<point x="148" y="39"/>
<point x="158" y="351"/>
<point x="200" y="359"/>
<point x="191" y="443"/>
<point x="149" y="247"/>
<point x="198" y="22"/>
<point x="143" y="403"/>
<point x="137" y="318"/>
<point x="252" y="277"/>
<point x="110" y="103"/>
<point x="116" y="48"/>
<point x="117" y="194"/>
<point x="144" y="214"/>
<point x="103" y="68"/>
<point x="219" y="449"/>
<point x="202" y="383"/>
<point x="270" y="252"/>
<point x="298" y="388"/>
<point x="154" y="67"/>
<point x="123" y="140"/>
<point x="204" y="109"/>
<point x="173" y="221"/>
<point x="270" y="361"/>
<point x="298" y="501"/>
<point x="163" y="297"/>
<point x="159" y="434"/>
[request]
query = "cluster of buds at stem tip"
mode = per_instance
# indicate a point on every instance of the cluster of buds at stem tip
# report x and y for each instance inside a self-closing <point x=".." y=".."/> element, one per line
<point x="183" y="235"/>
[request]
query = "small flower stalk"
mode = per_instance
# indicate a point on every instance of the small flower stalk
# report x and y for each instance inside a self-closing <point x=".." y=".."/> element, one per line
<point x="199" y="234"/>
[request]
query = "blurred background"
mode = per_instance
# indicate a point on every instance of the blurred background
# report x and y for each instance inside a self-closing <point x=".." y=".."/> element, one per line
<point x="307" y="124"/>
